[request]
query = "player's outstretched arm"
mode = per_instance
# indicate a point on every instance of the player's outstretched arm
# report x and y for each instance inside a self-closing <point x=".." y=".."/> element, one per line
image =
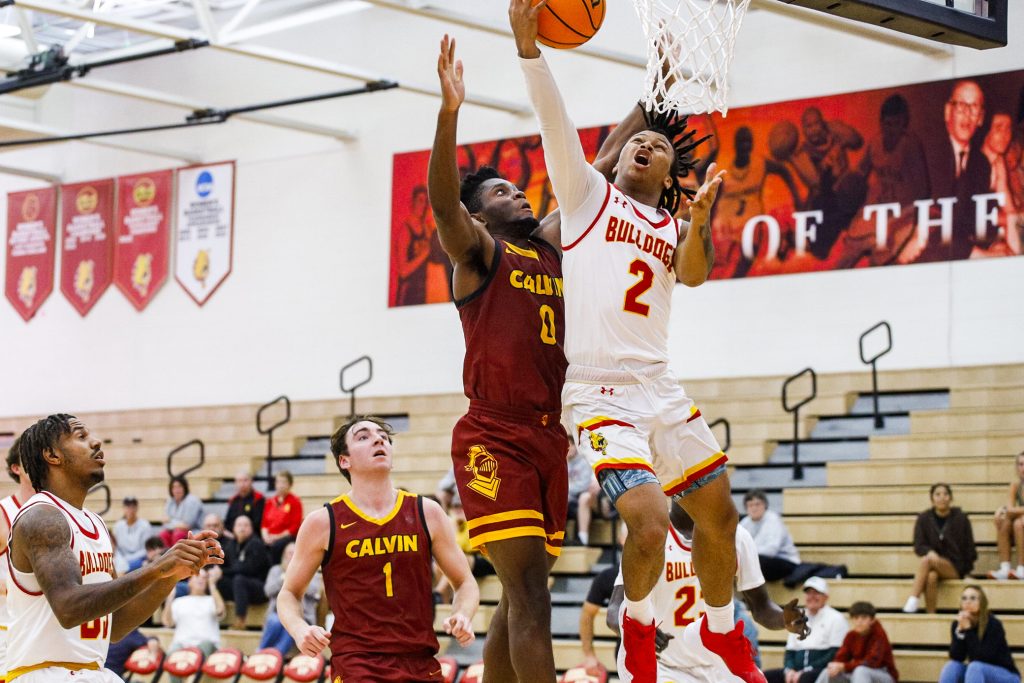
<point x="696" y="256"/>
<point x="771" y="615"/>
<point x="452" y="561"/>
<point x="310" y="547"/>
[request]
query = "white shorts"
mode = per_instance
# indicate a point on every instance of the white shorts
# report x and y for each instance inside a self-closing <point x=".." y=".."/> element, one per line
<point x="648" y="424"/>
<point x="58" y="674"/>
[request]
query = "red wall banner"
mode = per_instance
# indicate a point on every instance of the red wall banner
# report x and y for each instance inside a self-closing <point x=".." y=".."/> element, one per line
<point x="913" y="174"/>
<point x="141" y="253"/>
<point x="31" y="229"/>
<point x="87" y="246"/>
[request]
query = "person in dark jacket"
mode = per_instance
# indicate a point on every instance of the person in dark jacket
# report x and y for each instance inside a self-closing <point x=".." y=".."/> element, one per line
<point x="246" y="564"/>
<point x="245" y="501"/>
<point x="866" y="654"/>
<point x="978" y="650"/>
<point x="944" y="541"/>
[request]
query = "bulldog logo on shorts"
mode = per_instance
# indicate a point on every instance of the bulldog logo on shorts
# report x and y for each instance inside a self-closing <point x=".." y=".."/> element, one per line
<point x="484" y="467"/>
<point x="599" y="443"/>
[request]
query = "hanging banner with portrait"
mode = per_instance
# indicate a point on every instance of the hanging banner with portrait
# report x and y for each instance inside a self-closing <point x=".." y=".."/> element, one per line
<point x="205" y="228"/>
<point x="31" y="229"/>
<point x="87" y="242"/>
<point x="913" y="174"/>
<point x="143" y="224"/>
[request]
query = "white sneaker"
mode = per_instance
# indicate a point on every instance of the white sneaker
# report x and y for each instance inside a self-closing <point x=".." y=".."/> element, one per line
<point x="1019" y="574"/>
<point x="1001" y="574"/>
<point x="911" y="606"/>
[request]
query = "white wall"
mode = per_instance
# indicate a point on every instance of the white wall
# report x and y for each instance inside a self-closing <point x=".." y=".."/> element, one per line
<point x="309" y="287"/>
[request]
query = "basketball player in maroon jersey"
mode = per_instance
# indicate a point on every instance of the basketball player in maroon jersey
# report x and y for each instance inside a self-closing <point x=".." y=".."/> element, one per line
<point x="376" y="545"/>
<point x="509" y="450"/>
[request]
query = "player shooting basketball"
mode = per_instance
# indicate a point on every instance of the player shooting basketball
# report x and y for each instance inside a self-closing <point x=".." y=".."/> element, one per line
<point x="623" y="253"/>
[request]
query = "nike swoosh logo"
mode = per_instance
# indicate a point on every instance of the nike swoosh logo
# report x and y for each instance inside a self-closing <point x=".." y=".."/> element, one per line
<point x="345" y="526"/>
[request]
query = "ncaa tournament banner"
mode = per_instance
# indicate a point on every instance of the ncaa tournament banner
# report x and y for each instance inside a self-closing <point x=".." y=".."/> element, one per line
<point x="31" y="229"/>
<point x="141" y="252"/>
<point x="419" y="267"/>
<point x="87" y="247"/>
<point x="913" y="174"/>
<point x="206" y="217"/>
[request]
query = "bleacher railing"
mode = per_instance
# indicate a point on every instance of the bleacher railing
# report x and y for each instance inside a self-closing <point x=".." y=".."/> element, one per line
<point x="350" y="388"/>
<point x="102" y="486"/>
<point x="268" y="431"/>
<point x="727" y="444"/>
<point x="798" y="468"/>
<point x="170" y="458"/>
<point x="873" y="361"/>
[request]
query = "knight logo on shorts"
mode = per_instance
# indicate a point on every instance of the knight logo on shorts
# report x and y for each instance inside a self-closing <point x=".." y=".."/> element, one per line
<point x="599" y="443"/>
<point x="484" y="467"/>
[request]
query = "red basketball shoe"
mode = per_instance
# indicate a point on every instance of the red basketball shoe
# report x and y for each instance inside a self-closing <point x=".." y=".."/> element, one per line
<point x="734" y="649"/>
<point x="638" y="643"/>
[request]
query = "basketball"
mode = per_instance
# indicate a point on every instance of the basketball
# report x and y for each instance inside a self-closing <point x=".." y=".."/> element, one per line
<point x="783" y="139"/>
<point x="565" y="24"/>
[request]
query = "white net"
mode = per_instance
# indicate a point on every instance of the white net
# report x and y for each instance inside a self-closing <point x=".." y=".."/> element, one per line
<point x="690" y="46"/>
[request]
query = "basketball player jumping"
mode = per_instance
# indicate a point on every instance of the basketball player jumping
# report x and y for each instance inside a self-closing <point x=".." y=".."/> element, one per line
<point x="9" y="507"/>
<point x="376" y="545"/>
<point x="623" y="253"/>
<point x="65" y="600"/>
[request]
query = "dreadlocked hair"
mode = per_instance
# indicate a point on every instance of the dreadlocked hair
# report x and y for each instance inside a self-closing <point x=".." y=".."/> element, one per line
<point x="672" y="125"/>
<point x="469" y="190"/>
<point x="43" y="435"/>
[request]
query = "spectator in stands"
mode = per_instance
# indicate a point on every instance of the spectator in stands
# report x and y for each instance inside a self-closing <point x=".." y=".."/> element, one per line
<point x="866" y="655"/>
<point x="119" y="651"/>
<point x="1010" y="528"/>
<point x="274" y="633"/>
<point x="447" y="492"/>
<point x="584" y="494"/>
<point x="213" y="522"/>
<point x="944" y="540"/>
<point x="195" y="617"/>
<point x="184" y="512"/>
<point x="245" y="501"/>
<point x="479" y="565"/>
<point x="155" y="547"/>
<point x="806" y="659"/>
<point x="131" y="534"/>
<point x="246" y="565"/>
<point x="978" y="651"/>
<point x="282" y="515"/>
<point x="775" y="547"/>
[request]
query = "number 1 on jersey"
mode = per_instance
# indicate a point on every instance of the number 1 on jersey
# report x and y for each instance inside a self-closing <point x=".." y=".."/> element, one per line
<point x="633" y="294"/>
<point x="389" y="590"/>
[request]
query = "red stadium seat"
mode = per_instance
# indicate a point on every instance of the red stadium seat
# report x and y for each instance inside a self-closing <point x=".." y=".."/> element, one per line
<point x="304" y="669"/>
<point x="474" y="674"/>
<point x="264" y="665"/>
<point x="449" y="669"/>
<point x="184" y="663"/>
<point x="223" y="665"/>
<point x="143" y="665"/>
<point x="582" y="675"/>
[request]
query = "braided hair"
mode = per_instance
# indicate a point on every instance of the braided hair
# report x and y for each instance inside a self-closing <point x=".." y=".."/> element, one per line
<point x="469" y="189"/>
<point x="43" y="435"/>
<point x="672" y="125"/>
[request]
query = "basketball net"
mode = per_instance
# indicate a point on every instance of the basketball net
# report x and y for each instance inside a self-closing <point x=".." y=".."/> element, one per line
<point x="690" y="45"/>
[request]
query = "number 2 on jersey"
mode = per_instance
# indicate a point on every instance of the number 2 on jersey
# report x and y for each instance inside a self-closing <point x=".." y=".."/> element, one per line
<point x="688" y="597"/>
<point x="389" y="589"/>
<point x="96" y="629"/>
<point x="633" y="294"/>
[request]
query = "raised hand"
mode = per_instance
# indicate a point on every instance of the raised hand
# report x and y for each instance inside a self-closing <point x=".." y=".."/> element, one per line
<point x="700" y="205"/>
<point x="449" y="71"/>
<point x="522" y="15"/>
<point x="795" y="619"/>
<point x="460" y="626"/>
<point x="186" y="557"/>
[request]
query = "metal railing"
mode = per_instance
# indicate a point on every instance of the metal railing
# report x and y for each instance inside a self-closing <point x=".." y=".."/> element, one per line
<point x="727" y="444"/>
<point x="873" y="362"/>
<point x="350" y="389"/>
<point x="269" y="433"/>
<point x="102" y="486"/>
<point x="798" y="469"/>
<point x="170" y="458"/>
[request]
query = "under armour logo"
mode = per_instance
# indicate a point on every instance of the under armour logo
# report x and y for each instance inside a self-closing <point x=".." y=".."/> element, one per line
<point x="619" y="200"/>
<point x="608" y="390"/>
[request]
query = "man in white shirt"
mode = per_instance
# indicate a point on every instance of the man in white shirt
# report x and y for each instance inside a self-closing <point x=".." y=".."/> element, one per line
<point x="775" y="547"/>
<point x="806" y="659"/>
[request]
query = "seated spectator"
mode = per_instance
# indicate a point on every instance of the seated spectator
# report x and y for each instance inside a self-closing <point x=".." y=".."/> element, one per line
<point x="978" y="651"/>
<point x="155" y="547"/>
<point x="479" y="565"/>
<point x="213" y="522"/>
<point x="447" y="492"/>
<point x="775" y="547"/>
<point x="866" y="655"/>
<point x="585" y="497"/>
<point x="944" y="540"/>
<point x="1010" y="528"/>
<point x="282" y="515"/>
<point x="274" y="633"/>
<point x="195" y="617"/>
<point x="245" y="501"/>
<point x="119" y="651"/>
<point x="131" y="534"/>
<point x="246" y="565"/>
<point x="805" y="659"/>
<point x="184" y="512"/>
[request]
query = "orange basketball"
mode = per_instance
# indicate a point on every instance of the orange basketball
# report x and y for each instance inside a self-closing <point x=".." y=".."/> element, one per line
<point x="565" y="24"/>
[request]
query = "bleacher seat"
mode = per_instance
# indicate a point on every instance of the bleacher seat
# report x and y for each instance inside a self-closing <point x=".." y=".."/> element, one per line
<point x="306" y="669"/>
<point x="184" y="663"/>
<point x="449" y="669"/>
<point x="581" y="675"/>
<point x="264" y="665"/>
<point x="143" y="666"/>
<point x="223" y="665"/>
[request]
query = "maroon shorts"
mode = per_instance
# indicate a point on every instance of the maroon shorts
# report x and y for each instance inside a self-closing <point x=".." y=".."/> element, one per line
<point x="511" y="470"/>
<point x="365" y="667"/>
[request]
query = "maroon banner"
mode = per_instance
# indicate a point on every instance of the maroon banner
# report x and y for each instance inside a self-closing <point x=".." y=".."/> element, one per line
<point x="141" y="254"/>
<point x="31" y="229"/>
<point x="87" y="247"/>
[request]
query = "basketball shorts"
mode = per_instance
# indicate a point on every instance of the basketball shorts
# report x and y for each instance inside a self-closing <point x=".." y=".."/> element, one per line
<point x="58" y="674"/>
<point x="636" y="430"/>
<point x="365" y="667"/>
<point x="510" y="467"/>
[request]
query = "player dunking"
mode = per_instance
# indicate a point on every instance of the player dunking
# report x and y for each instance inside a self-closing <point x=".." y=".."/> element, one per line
<point x="623" y="253"/>
<point x="65" y="601"/>
<point x="376" y="545"/>
<point x="509" y="450"/>
<point x="9" y="507"/>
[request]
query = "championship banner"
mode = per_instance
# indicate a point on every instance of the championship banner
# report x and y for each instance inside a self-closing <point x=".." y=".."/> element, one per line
<point x="206" y="218"/>
<point x="143" y="235"/>
<point x="87" y="246"/>
<point x="914" y="174"/>
<point x="31" y="229"/>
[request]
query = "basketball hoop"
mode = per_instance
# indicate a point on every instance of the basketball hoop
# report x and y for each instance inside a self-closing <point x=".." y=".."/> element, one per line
<point x="690" y="45"/>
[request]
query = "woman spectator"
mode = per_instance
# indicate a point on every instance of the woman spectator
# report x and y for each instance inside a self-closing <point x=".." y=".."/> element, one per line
<point x="195" y="617"/>
<point x="944" y="540"/>
<point x="246" y="565"/>
<point x="1010" y="528"/>
<point x="978" y="651"/>
<point x="282" y="515"/>
<point x="274" y="633"/>
<point x="184" y="512"/>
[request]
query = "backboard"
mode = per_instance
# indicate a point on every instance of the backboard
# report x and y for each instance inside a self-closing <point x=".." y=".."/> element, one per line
<point x="980" y="24"/>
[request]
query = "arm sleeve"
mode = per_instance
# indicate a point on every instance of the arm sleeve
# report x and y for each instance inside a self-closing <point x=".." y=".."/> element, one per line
<point x="957" y="645"/>
<point x="921" y="546"/>
<point x="748" y="575"/>
<point x="772" y="535"/>
<point x="789" y="660"/>
<point x="295" y="517"/>
<point x="275" y="580"/>
<point x="878" y="652"/>
<point x="838" y="629"/>
<point x="194" y="518"/>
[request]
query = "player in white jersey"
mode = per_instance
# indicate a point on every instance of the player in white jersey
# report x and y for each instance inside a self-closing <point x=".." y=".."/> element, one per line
<point x="623" y="252"/>
<point x="679" y="607"/>
<point x="65" y="600"/>
<point x="9" y="507"/>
